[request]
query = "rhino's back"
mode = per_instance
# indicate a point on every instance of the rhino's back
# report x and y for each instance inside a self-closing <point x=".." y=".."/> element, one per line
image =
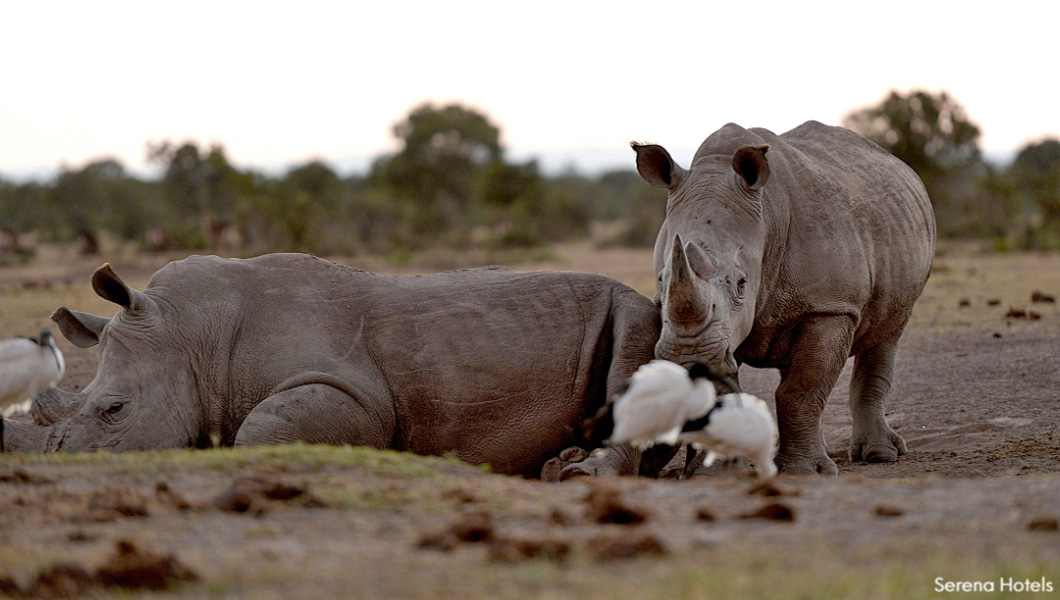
<point x="844" y="188"/>
<point x="857" y="229"/>
<point x="494" y="365"/>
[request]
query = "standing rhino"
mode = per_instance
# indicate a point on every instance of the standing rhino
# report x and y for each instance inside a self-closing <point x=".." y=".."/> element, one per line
<point x="793" y="252"/>
<point x="494" y="365"/>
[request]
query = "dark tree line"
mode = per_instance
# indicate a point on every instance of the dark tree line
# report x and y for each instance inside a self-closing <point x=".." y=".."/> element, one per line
<point x="452" y="184"/>
<point x="1015" y="206"/>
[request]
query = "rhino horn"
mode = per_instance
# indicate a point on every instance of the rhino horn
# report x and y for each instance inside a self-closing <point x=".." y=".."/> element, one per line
<point x="53" y="405"/>
<point x="684" y="304"/>
<point x="21" y="437"/>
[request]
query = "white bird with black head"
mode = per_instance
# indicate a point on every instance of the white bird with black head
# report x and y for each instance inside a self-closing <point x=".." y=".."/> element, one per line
<point x="27" y="366"/>
<point x="666" y="404"/>
<point x="657" y="402"/>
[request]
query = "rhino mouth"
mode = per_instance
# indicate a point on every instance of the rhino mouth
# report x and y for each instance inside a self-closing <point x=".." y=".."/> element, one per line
<point x="715" y="353"/>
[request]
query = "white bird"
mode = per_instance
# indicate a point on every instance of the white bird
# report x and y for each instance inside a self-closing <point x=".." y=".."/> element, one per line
<point x="666" y="404"/>
<point x="28" y="366"/>
<point x="659" y="399"/>
<point x="738" y="425"/>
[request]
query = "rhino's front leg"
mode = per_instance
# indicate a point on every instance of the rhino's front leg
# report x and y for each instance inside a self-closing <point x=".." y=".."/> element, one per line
<point x="872" y="439"/>
<point x="314" y="413"/>
<point x="819" y="349"/>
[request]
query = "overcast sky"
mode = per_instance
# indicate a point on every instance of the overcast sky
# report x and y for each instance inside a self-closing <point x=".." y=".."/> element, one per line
<point x="282" y="83"/>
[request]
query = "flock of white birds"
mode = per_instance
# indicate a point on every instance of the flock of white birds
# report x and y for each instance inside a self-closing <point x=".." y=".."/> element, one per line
<point x="668" y="404"/>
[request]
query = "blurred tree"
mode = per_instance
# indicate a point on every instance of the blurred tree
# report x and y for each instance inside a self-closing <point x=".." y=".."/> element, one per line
<point x="1034" y="180"/>
<point x="302" y="206"/>
<point x="1036" y="173"/>
<point x="445" y="151"/>
<point x="318" y="180"/>
<point x="933" y="134"/>
<point x="930" y="133"/>
<point x="100" y="196"/>
<point x="24" y="207"/>
<point x="502" y="184"/>
<point x="203" y="191"/>
<point x="182" y="182"/>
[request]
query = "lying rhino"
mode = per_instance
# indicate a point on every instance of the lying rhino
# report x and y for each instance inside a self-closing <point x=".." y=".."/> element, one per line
<point x="793" y="252"/>
<point x="494" y="365"/>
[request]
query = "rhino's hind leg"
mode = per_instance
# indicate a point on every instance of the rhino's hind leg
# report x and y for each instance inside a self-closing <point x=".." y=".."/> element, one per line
<point x="819" y="349"/>
<point x="611" y="461"/>
<point x="316" y="414"/>
<point x="872" y="439"/>
<point x="602" y="462"/>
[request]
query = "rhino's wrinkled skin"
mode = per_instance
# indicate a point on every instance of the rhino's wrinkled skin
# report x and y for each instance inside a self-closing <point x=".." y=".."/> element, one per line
<point x="793" y="252"/>
<point x="494" y="365"/>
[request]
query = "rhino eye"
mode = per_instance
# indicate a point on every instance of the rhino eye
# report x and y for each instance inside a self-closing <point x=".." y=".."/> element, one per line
<point x="741" y="286"/>
<point x="115" y="408"/>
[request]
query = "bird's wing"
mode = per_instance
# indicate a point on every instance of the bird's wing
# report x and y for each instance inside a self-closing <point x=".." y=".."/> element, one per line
<point x="15" y="350"/>
<point x="647" y="411"/>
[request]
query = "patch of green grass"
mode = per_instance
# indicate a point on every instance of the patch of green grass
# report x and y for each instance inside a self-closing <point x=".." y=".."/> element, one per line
<point x="311" y="456"/>
<point x="940" y="267"/>
<point x="356" y="496"/>
<point x="732" y="571"/>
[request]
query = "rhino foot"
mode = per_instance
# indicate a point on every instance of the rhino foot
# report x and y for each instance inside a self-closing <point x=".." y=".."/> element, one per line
<point x="553" y="469"/>
<point x="886" y="449"/>
<point x="573" y="463"/>
<point x="599" y="463"/>
<point x="818" y="464"/>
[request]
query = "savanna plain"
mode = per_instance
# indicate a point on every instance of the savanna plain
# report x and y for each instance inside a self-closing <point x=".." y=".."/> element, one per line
<point x="975" y="501"/>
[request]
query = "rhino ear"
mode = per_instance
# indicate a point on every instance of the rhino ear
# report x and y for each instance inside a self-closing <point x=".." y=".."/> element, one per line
<point x="82" y="329"/>
<point x="109" y="286"/>
<point x="750" y="163"/>
<point x="656" y="167"/>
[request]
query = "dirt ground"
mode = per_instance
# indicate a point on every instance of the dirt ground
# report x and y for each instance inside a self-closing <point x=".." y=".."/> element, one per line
<point x="976" y="397"/>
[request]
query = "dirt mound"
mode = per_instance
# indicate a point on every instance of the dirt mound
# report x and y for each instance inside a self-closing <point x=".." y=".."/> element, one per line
<point x="623" y="546"/>
<point x="605" y="505"/>
<point x="129" y="567"/>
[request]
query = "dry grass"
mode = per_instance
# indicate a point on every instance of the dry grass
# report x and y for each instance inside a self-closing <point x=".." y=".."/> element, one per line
<point x="364" y="544"/>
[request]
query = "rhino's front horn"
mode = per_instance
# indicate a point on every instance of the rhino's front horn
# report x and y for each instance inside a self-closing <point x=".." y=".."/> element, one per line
<point x="53" y="405"/>
<point x="19" y="437"/>
<point x="684" y="306"/>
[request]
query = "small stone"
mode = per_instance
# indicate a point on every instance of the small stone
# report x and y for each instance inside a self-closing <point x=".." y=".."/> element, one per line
<point x="888" y="511"/>
<point x="1016" y="313"/>
<point x="770" y="489"/>
<point x="606" y="548"/>
<point x="1043" y="524"/>
<point x="512" y="550"/>
<point x="474" y="527"/>
<point x="772" y="512"/>
<point x="234" y="500"/>
<point x="704" y="514"/>
<point x="443" y="541"/>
